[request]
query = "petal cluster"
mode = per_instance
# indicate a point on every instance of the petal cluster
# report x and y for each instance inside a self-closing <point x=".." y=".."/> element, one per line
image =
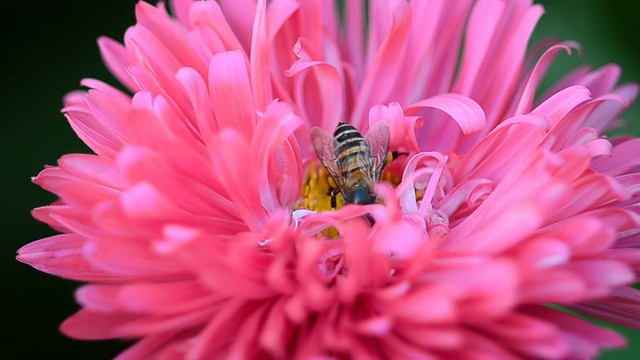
<point x="512" y="212"/>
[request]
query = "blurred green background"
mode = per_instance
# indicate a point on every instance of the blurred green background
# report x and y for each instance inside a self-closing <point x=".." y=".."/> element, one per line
<point x="47" y="47"/>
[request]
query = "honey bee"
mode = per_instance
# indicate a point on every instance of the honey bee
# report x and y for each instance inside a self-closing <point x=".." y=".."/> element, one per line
<point x="355" y="163"/>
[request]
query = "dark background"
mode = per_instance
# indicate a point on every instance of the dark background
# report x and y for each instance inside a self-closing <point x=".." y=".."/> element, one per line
<point x="48" y="46"/>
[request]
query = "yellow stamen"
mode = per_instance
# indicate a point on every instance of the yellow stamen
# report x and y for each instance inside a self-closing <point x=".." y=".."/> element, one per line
<point x="319" y="185"/>
<point x="317" y="189"/>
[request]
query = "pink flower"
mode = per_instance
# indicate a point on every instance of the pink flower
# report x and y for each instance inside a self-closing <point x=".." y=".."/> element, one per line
<point x="201" y="223"/>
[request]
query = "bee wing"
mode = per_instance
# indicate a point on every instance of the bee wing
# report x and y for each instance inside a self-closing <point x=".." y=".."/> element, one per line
<point x="377" y="140"/>
<point x="323" y="144"/>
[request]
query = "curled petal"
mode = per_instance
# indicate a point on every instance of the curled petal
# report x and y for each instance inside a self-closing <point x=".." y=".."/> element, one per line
<point x="464" y="111"/>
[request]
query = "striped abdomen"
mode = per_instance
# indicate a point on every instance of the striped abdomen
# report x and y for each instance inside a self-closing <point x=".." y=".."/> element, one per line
<point x="349" y="147"/>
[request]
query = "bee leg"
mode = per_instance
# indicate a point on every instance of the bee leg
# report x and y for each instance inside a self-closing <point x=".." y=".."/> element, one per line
<point x="370" y="219"/>
<point x="397" y="154"/>
<point x="333" y="194"/>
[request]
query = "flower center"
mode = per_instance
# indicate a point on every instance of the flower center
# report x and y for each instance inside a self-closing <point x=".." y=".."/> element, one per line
<point x="319" y="186"/>
<point x="317" y="189"/>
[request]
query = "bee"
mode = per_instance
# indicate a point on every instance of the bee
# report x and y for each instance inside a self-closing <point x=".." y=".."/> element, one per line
<point x="355" y="163"/>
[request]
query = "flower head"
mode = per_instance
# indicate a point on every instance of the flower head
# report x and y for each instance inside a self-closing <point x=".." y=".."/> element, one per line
<point x="203" y="222"/>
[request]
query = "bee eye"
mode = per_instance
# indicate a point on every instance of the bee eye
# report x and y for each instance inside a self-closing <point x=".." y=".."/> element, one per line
<point x="361" y="197"/>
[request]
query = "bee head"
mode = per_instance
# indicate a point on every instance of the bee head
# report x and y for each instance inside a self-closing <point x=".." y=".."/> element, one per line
<point x="361" y="196"/>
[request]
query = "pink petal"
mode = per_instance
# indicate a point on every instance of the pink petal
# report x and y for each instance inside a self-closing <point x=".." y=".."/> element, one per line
<point x="157" y="344"/>
<point x="566" y="287"/>
<point x="63" y="255"/>
<point x="53" y="215"/>
<point x="93" y="133"/>
<point x="590" y="192"/>
<point x="211" y="32"/>
<point x="155" y="65"/>
<point x="560" y="104"/>
<point x="440" y="337"/>
<point x="585" y="338"/>
<point x="354" y="16"/>
<point x="319" y="91"/>
<point x="483" y="23"/>
<point x="384" y="68"/>
<point x="625" y="158"/>
<point x="595" y="235"/>
<point x="107" y="103"/>
<point x="116" y="58"/>
<point x="401" y="129"/>
<point x="528" y="335"/>
<point x="239" y="15"/>
<point x="510" y="55"/>
<point x="230" y="91"/>
<point x="274" y="134"/>
<point x="143" y="325"/>
<point x="197" y="92"/>
<point x="208" y="342"/>
<point x="259" y="64"/>
<point x="542" y="253"/>
<point x="172" y="297"/>
<point x="467" y="114"/>
<point x="170" y="33"/>
<point x="180" y="9"/>
<point x="238" y="153"/>
<point x="92" y="168"/>
<point x="91" y="325"/>
<point x="74" y="191"/>
<point x="603" y="80"/>
<point x="621" y="307"/>
<point x="276" y="333"/>
<point x="603" y="272"/>
<point x="170" y="125"/>
<point x="538" y="72"/>
<point x="422" y="307"/>
<point x="505" y="146"/>
<point x="433" y="20"/>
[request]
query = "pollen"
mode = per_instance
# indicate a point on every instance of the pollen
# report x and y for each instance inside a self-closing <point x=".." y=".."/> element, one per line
<point x="317" y="189"/>
<point x="319" y="185"/>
